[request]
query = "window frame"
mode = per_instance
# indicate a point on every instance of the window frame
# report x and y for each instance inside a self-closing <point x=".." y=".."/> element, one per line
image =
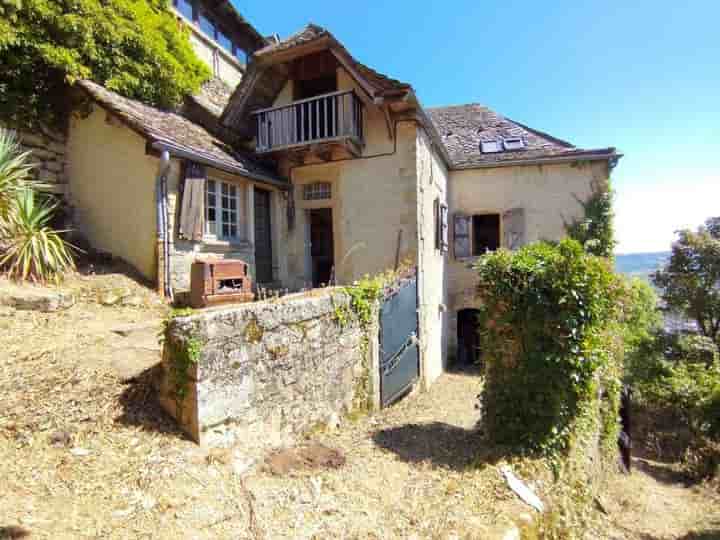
<point x="240" y="211"/>
<point x="472" y="233"/>
<point x="315" y="190"/>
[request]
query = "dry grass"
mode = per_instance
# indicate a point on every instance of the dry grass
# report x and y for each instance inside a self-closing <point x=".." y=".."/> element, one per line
<point x="83" y="455"/>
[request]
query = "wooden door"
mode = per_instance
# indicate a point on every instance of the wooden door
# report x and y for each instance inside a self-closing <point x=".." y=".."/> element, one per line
<point x="263" y="237"/>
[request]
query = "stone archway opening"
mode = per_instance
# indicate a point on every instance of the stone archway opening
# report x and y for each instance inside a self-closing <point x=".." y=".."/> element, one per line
<point x="468" y="340"/>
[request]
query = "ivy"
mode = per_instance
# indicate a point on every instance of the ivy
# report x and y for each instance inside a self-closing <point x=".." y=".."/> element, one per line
<point x="133" y="47"/>
<point x="546" y="319"/>
<point x="595" y="230"/>
<point x="181" y="356"/>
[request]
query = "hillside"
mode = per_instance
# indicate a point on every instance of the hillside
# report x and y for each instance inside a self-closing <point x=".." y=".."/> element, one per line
<point x="640" y="264"/>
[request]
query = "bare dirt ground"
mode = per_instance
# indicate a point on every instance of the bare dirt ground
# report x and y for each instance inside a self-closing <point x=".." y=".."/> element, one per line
<point x="87" y="453"/>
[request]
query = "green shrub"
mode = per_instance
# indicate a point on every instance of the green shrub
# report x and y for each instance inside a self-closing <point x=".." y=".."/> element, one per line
<point x="547" y="317"/>
<point x="15" y="170"/>
<point x="34" y="250"/>
<point x="134" y="47"/>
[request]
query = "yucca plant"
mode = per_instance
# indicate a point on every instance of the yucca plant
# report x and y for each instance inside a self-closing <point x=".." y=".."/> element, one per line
<point x="15" y="168"/>
<point x="34" y="250"/>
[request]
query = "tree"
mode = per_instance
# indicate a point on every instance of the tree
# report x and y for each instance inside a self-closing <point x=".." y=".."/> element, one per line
<point x="134" y="47"/>
<point x="690" y="282"/>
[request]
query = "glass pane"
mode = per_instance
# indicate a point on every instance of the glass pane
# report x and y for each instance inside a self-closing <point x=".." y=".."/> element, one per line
<point x="211" y="199"/>
<point x="210" y="227"/>
<point x="211" y="214"/>
<point x="225" y="230"/>
<point x="240" y="55"/>
<point x="207" y="27"/>
<point x="232" y="190"/>
<point x="233" y="203"/>
<point x="224" y="42"/>
<point x="225" y="216"/>
<point x="185" y="8"/>
<point x="233" y="231"/>
<point x="224" y="188"/>
<point x="210" y="186"/>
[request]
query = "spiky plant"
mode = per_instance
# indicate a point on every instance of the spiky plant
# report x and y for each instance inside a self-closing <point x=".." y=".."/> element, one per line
<point x="15" y="170"/>
<point x="34" y="250"/>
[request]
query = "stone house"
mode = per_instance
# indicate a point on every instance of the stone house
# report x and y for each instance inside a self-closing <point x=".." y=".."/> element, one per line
<point x="315" y="168"/>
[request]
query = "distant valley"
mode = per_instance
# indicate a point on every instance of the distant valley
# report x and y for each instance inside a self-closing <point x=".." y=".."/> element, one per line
<point x="640" y="264"/>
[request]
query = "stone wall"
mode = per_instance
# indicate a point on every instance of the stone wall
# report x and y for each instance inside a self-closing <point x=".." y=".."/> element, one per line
<point x="267" y="372"/>
<point x="49" y="155"/>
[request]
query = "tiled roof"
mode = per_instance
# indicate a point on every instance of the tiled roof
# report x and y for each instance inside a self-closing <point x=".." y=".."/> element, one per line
<point x="463" y="127"/>
<point x="312" y="32"/>
<point x="213" y="96"/>
<point x="235" y="111"/>
<point x="166" y="126"/>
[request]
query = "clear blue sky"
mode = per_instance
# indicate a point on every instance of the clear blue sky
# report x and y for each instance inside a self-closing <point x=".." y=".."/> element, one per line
<point x="640" y="75"/>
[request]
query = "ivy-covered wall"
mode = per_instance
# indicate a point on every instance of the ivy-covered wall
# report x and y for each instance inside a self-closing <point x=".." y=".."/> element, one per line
<point x="263" y="373"/>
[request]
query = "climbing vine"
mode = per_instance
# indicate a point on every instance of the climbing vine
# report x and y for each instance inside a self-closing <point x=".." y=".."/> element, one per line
<point x="595" y="230"/>
<point x="546" y="322"/>
<point x="182" y="355"/>
<point x="361" y="306"/>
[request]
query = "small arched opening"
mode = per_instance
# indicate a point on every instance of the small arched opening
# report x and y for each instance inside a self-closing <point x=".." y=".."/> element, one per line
<point x="468" y="349"/>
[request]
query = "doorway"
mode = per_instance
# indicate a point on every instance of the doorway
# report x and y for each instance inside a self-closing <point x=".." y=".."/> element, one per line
<point x="321" y="245"/>
<point x="263" y="237"/>
<point x="468" y="349"/>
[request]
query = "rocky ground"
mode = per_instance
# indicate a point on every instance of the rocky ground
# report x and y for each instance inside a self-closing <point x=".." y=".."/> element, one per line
<point x="85" y="451"/>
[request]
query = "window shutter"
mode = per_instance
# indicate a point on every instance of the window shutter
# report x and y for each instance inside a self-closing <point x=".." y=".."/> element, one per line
<point x="513" y="224"/>
<point x="461" y="236"/>
<point x="192" y="206"/>
<point x="436" y="217"/>
<point x="443" y="228"/>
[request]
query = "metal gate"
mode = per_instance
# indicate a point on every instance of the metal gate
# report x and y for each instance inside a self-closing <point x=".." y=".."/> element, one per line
<point x="399" y="354"/>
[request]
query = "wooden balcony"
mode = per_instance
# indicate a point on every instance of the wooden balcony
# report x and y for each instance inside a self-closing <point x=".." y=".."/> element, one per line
<point x="335" y="118"/>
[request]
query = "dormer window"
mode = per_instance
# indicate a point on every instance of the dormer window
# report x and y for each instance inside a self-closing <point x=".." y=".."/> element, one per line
<point x="490" y="147"/>
<point x="513" y="143"/>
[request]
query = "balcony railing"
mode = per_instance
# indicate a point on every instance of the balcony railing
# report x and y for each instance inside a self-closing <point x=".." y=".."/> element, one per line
<point x="330" y="117"/>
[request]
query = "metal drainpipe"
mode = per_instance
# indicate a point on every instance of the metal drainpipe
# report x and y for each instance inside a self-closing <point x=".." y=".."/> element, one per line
<point x="161" y="214"/>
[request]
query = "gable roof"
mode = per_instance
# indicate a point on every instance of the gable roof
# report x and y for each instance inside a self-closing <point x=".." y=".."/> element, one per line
<point x="265" y="79"/>
<point x="463" y="127"/>
<point x="171" y="130"/>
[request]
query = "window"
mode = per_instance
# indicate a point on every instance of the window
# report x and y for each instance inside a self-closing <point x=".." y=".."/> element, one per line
<point x="240" y="54"/>
<point x="317" y="191"/>
<point x="485" y="233"/>
<point x="225" y="42"/>
<point x="476" y="235"/>
<point x="207" y="27"/>
<point x="223" y="210"/>
<point x="490" y="147"/>
<point x="185" y="7"/>
<point x="513" y="143"/>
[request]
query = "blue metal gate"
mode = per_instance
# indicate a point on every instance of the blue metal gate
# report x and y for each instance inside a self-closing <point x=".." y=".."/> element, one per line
<point x="399" y="354"/>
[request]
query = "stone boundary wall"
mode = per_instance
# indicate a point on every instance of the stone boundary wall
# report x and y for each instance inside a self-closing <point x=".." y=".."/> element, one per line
<point x="49" y="154"/>
<point x="268" y="372"/>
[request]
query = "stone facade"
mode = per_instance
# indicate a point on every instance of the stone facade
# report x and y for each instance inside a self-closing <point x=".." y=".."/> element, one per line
<point x="267" y="372"/>
<point x="49" y="154"/>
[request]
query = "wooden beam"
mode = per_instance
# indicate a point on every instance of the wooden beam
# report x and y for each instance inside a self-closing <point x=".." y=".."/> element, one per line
<point x="362" y="82"/>
<point x="388" y="121"/>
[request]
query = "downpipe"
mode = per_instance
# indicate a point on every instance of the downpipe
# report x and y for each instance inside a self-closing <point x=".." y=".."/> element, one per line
<point x="162" y="222"/>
